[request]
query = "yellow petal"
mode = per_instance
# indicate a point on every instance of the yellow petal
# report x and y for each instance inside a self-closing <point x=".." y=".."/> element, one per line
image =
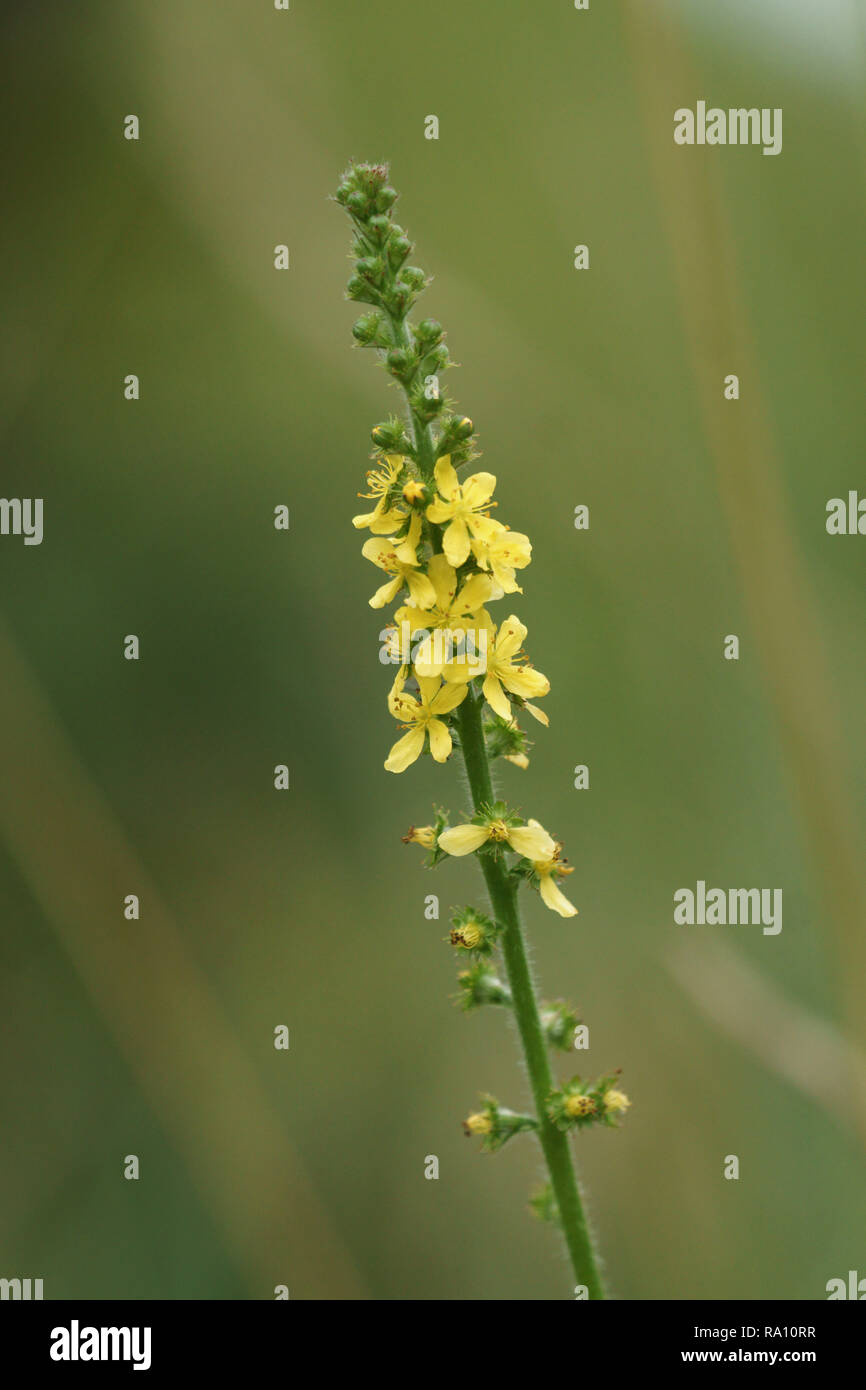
<point x="446" y="479"/>
<point x="553" y="898"/>
<point x="478" y="489"/>
<point x="525" y="681"/>
<point x="439" y="511"/>
<point x="430" y="658"/>
<point x="401" y="705"/>
<point x="465" y="667"/>
<point x="448" y="698"/>
<point x="405" y="750"/>
<point x="532" y="841"/>
<point x="385" y="523"/>
<point x="463" y="648"/>
<point x="474" y="593"/>
<point x="537" y="714"/>
<point x="421" y="591"/>
<point x="440" y="740"/>
<point x="463" y="839"/>
<point x="513" y="548"/>
<point x="405" y="548"/>
<point x="504" y="576"/>
<point x="455" y="543"/>
<point x="427" y="688"/>
<point x="510" y="638"/>
<point x="379" y="551"/>
<point x="484" y="527"/>
<point x="387" y="592"/>
<point x="417" y="619"/>
<point x="495" y="696"/>
<point x="443" y="579"/>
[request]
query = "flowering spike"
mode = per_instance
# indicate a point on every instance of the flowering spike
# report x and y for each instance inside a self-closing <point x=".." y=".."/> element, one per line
<point x="461" y="679"/>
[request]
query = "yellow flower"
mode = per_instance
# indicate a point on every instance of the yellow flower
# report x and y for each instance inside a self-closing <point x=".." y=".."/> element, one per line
<point x="503" y="552"/>
<point x="521" y="679"/>
<point x="380" y="481"/>
<point x="454" y="619"/>
<point x="399" y="558"/>
<point x="532" y="840"/>
<point x="576" y="1106"/>
<point x="478" y="1124"/>
<point x="549" y="868"/>
<point x="464" y="508"/>
<point x="414" y="490"/>
<point x="422" y="715"/>
<point x="616" y="1100"/>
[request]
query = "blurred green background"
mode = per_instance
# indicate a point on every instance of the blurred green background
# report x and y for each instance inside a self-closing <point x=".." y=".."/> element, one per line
<point x="601" y="387"/>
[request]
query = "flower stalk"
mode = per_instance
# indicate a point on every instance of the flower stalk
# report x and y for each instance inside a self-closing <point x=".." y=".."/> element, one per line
<point x="441" y="549"/>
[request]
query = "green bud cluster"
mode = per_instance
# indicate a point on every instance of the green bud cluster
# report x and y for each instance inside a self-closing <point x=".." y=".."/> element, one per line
<point x="415" y="355"/>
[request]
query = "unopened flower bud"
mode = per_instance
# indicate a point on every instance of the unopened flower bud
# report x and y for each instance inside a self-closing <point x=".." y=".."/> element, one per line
<point x="379" y="228"/>
<point x="361" y="290"/>
<point x="398" y="249"/>
<point x="356" y="204"/>
<point x="437" y="358"/>
<point x="428" y="333"/>
<point x="477" y="1124"/>
<point x="398" y="299"/>
<point x="401" y="363"/>
<point x="366" y="330"/>
<point x="414" y="277"/>
<point x="389" y="435"/>
<point x="371" y="268"/>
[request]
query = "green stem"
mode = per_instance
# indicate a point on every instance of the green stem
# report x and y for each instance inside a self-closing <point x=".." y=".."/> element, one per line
<point x="503" y="897"/>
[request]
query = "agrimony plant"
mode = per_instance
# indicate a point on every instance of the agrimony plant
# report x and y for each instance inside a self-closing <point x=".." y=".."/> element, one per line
<point x="462" y="684"/>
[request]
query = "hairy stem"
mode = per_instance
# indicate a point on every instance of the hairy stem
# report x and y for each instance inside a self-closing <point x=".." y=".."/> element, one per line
<point x="503" y="896"/>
